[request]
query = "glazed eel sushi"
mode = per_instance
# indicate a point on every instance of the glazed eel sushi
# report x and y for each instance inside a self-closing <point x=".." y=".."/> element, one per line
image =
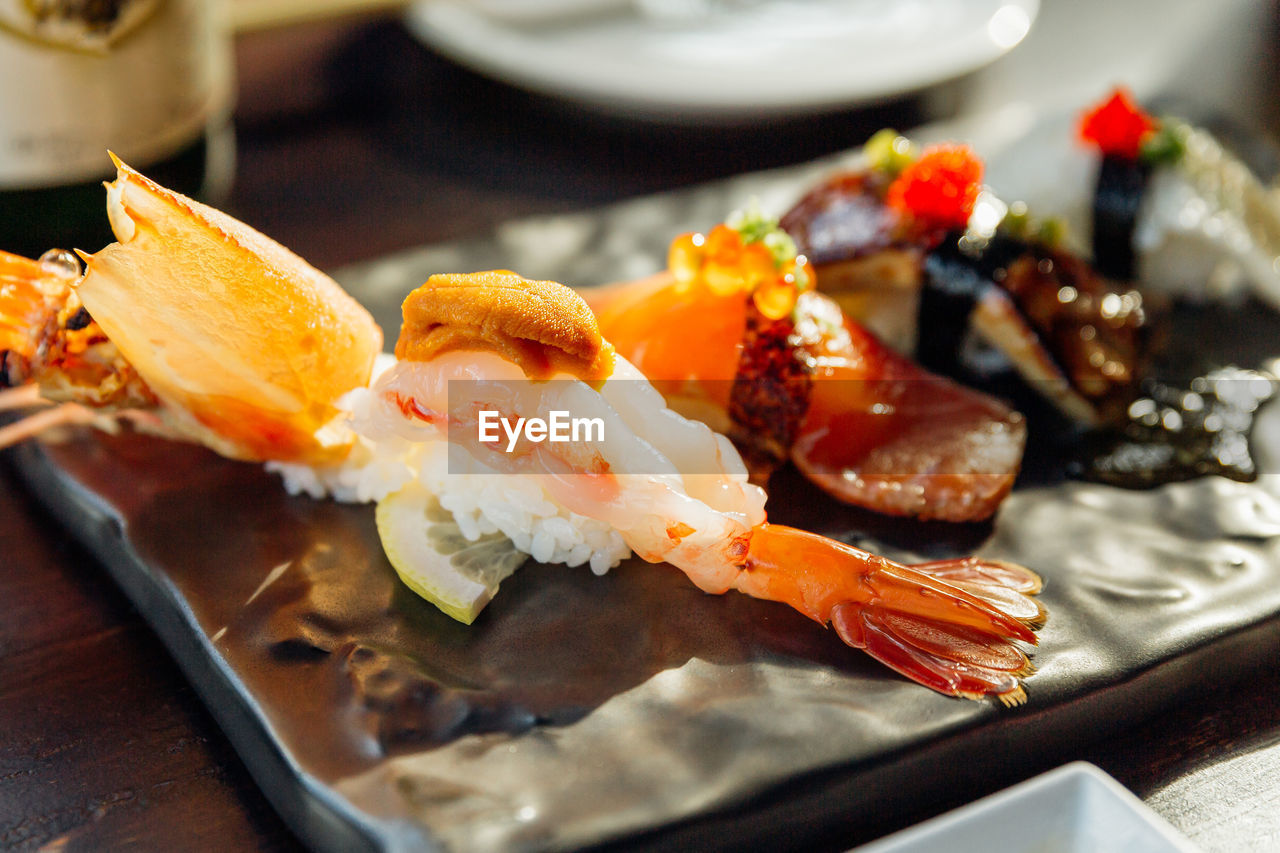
<point x="912" y="245"/>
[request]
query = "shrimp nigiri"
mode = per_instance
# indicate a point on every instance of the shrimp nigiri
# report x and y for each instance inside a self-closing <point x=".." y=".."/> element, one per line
<point x="194" y="324"/>
<point x="735" y="334"/>
<point x="670" y="488"/>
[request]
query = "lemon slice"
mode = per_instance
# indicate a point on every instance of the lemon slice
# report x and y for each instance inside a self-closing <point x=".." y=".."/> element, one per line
<point x="429" y="553"/>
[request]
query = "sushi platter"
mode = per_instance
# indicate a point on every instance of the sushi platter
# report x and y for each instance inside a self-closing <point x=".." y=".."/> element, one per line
<point x="630" y="708"/>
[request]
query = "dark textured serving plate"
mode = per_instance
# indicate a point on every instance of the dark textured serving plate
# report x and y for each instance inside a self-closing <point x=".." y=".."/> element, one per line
<point x="633" y="710"/>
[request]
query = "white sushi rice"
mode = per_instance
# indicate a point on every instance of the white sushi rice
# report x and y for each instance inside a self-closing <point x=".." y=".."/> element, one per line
<point x="482" y="500"/>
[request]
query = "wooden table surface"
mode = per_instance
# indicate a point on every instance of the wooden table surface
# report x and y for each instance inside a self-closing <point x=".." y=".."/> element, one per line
<point x="353" y="142"/>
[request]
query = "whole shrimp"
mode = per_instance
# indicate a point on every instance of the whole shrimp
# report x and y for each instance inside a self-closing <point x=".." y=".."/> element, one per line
<point x="193" y="324"/>
<point x="675" y="490"/>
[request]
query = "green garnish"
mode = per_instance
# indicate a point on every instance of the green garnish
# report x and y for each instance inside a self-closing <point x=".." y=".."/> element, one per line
<point x="1017" y="222"/>
<point x="755" y="227"/>
<point x="1051" y="231"/>
<point x="1021" y="225"/>
<point x="889" y="152"/>
<point x="802" y="279"/>
<point x="1165" y="146"/>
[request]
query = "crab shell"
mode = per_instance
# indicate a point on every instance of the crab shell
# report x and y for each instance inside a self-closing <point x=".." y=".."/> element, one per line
<point x="246" y="346"/>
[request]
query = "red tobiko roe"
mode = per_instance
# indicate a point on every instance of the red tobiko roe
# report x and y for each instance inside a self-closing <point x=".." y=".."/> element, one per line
<point x="1117" y="126"/>
<point x="939" y="189"/>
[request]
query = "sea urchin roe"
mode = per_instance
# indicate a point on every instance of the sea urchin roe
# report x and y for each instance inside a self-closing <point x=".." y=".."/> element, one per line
<point x="748" y="254"/>
<point x="543" y="327"/>
<point x="939" y="189"/>
<point x="1117" y="126"/>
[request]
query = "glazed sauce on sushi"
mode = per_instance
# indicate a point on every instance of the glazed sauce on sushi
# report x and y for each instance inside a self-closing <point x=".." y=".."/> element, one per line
<point x="1063" y="328"/>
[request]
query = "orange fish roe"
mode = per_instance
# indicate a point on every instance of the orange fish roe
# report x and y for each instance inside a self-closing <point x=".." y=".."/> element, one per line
<point x="1117" y="126"/>
<point x="939" y="189"/>
<point x="726" y="263"/>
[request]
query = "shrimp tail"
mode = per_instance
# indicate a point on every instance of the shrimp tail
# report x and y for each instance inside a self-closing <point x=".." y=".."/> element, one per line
<point x="952" y="625"/>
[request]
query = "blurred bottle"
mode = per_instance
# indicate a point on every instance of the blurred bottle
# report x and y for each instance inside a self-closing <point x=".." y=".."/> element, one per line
<point x="147" y="79"/>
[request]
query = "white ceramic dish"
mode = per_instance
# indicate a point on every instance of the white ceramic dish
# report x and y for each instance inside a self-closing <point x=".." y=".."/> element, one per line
<point x="1074" y="809"/>
<point x="739" y="59"/>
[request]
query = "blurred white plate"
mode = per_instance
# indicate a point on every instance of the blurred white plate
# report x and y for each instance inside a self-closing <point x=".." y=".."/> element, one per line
<point x="739" y="58"/>
<point x="1075" y="809"/>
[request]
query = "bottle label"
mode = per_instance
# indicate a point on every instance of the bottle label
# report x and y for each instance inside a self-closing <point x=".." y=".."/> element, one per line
<point x="142" y="78"/>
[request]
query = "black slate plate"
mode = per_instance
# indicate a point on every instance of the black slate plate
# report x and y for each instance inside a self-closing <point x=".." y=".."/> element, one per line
<point x="632" y="710"/>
